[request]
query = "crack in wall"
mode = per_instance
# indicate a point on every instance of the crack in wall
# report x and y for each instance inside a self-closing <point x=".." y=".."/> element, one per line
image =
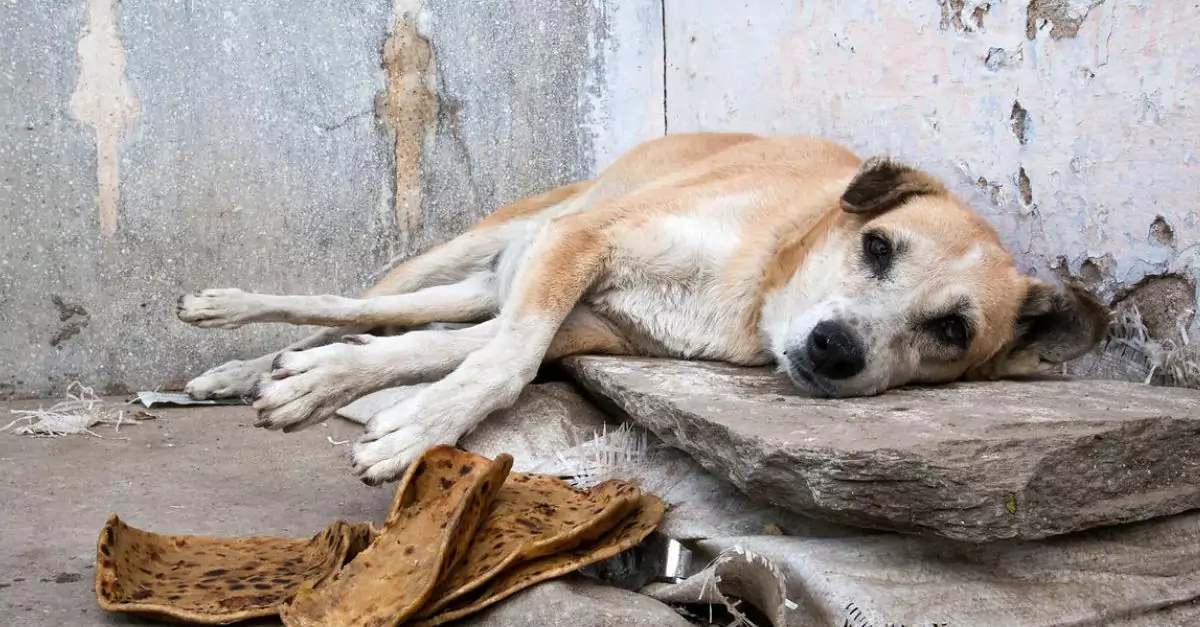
<point x="663" y="15"/>
<point x="344" y="121"/>
<point x="104" y="101"/>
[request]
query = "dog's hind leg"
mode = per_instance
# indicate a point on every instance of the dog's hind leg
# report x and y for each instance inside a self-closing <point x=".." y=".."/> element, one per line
<point x="474" y="250"/>
<point x="414" y="293"/>
<point x="450" y="262"/>
<point x="567" y="257"/>
<point x="469" y="300"/>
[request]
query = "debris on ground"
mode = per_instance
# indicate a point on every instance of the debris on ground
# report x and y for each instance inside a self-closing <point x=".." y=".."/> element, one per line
<point x="180" y="399"/>
<point x="82" y="410"/>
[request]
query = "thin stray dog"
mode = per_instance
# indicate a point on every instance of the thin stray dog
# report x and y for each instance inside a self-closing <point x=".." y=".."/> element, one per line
<point x="853" y="276"/>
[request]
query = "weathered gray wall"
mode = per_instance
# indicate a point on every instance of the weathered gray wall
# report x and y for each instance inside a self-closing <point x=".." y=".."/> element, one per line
<point x="237" y="147"/>
<point x="530" y="96"/>
<point x="257" y="145"/>
<point x="155" y="148"/>
<point x="1072" y="125"/>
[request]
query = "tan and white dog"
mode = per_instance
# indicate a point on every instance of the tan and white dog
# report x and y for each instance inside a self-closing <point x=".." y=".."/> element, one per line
<point x="854" y="277"/>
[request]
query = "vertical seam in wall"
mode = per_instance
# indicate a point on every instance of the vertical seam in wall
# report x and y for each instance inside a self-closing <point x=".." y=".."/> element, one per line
<point x="663" y="13"/>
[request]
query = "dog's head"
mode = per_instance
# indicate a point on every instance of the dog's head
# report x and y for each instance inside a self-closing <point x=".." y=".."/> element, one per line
<point x="905" y="284"/>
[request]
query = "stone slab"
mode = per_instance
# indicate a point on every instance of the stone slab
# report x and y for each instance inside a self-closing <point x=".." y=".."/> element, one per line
<point x="973" y="462"/>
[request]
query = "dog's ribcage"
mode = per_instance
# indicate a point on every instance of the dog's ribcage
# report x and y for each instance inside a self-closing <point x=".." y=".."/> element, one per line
<point x="666" y="279"/>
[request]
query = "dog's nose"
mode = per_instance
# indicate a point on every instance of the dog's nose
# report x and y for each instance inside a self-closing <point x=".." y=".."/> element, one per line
<point x="834" y="351"/>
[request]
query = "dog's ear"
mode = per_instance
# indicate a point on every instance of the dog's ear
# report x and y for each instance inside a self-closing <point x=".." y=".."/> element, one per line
<point x="882" y="184"/>
<point x="1052" y="326"/>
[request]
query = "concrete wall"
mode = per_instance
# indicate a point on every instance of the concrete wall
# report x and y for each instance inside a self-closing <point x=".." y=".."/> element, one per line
<point x="155" y="148"/>
<point x="1072" y="125"/>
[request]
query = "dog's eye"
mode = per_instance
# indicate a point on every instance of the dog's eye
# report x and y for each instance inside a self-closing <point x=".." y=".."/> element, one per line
<point x="952" y="330"/>
<point x="878" y="252"/>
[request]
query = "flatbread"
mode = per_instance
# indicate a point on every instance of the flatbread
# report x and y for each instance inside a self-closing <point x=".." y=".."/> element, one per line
<point x="461" y="534"/>
<point x="630" y="532"/>
<point x="440" y="503"/>
<point x="211" y="580"/>
<point x="534" y="516"/>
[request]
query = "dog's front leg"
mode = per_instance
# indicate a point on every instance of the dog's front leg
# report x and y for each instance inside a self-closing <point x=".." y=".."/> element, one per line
<point x="305" y="387"/>
<point x="562" y="264"/>
<point x="237" y="378"/>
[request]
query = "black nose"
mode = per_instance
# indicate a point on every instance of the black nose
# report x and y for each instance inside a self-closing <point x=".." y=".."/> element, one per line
<point x="834" y="351"/>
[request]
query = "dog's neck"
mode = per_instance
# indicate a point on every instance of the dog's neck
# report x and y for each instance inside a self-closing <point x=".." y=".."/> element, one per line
<point x="784" y="289"/>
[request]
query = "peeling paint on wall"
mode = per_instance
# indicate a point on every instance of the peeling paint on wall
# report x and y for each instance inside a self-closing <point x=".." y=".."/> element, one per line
<point x="409" y="105"/>
<point x="1020" y="121"/>
<point x="104" y="101"/>
<point x="960" y="16"/>
<point x="73" y="318"/>
<point x="1062" y="17"/>
<point x="1161" y="232"/>
<point x="1079" y="144"/>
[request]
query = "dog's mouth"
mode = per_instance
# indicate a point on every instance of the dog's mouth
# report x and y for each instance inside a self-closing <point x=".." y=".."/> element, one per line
<point x="810" y="382"/>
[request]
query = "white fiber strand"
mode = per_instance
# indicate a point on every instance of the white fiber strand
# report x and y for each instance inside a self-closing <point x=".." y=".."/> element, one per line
<point x="82" y="410"/>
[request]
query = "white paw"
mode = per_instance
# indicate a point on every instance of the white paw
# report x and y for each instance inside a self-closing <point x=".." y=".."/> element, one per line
<point x="225" y="308"/>
<point x="307" y="387"/>
<point x="395" y="437"/>
<point x="229" y="380"/>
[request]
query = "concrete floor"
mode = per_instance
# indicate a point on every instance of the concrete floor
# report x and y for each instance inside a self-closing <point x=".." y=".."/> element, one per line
<point x="203" y="470"/>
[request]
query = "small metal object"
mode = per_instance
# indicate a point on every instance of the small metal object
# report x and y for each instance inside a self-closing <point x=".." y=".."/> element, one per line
<point x="149" y="399"/>
<point x="677" y="563"/>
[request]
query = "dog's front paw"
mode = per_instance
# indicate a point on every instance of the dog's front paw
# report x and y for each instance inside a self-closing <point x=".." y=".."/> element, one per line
<point x="225" y="308"/>
<point x="229" y="380"/>
<point x="397" y="436"/>
<point x="307" y="387"/>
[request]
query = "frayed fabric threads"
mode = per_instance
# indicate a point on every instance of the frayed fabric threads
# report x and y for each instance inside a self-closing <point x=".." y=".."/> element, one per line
<point x="603" y="457"/>
<point x="1129" y="353"/>
<point x="82" y="410"/>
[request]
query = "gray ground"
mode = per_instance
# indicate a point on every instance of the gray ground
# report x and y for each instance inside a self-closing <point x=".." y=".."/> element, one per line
<point x="195" y="470"/>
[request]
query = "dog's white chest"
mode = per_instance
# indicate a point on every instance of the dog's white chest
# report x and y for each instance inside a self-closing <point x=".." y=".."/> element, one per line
<point x="665" y="280"/>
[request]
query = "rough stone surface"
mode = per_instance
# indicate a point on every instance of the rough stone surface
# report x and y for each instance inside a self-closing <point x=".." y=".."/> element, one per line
<point x="576" y="602"/>
<point x="546" y="419"/>
<point x="973" y="462"/>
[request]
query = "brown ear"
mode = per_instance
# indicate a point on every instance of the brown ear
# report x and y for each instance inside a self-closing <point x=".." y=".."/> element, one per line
<point x="882" y="184"/>
<point x="1053" y="326"/>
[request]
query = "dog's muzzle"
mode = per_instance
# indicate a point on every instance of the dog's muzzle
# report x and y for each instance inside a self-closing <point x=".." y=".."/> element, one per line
<point x="833" y="352"/>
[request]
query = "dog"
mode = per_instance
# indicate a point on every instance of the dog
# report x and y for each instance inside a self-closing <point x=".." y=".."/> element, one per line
<point x="853" y="276"/>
